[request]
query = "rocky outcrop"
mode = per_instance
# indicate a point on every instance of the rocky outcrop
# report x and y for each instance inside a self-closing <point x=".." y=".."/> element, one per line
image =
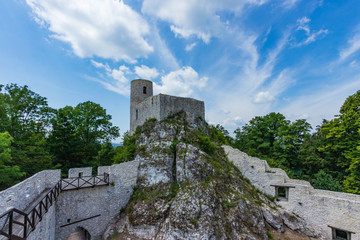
<point x="187" y="189"/>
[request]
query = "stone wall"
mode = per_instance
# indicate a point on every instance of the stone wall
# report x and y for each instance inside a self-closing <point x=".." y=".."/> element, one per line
<point x="137" y="96"/>
<point x="149" y="108"/>
<point x="171" y="104"/>
<point x="93" y="209"/>
<point x="161" y="106"/>
<point x="46" y="228"/>
<point x="21" y="195"/>
<point x="319" y="208"/>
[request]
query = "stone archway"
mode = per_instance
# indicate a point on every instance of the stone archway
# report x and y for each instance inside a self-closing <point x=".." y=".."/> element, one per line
<point x="80" y="234"/>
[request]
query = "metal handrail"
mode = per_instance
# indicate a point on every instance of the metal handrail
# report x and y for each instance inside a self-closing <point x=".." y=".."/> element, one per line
<point x="28" y="221"/>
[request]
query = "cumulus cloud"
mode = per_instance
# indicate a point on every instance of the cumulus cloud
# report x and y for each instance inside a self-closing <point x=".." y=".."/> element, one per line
<point x="181" y="82"/>
<point x="232" y="121"/>
<point x="194" y="18"/>
<point x="145" y="72"/>
<point x="104" y="28"/>
<point x="263" y="97"/>
<point x="116" y="79"/>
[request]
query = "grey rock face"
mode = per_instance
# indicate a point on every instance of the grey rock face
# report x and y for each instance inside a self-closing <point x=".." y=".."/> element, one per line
<point x="189" y="190"/>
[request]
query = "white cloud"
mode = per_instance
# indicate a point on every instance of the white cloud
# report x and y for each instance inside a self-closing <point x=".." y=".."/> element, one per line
<point x="145" y="72"/>
<point x="100" y="65"/>
<point x="353" y="47"/>
<point x="321" y="104"/>
<point x="290" y="3"/>
<point x="182" y="82"/>
<point x="302" y="21"/>
<point x="310" y="36"/>
<point x="254" y="82"/>
<point x="194" y="17"/>
<point x="190" y="46"/>
<point x="263" y="97"/>
<point x="120" y="74"/>
<point x="104" y="28"/>
<point x="116" y="80"/>
<point x="232" y="121"/>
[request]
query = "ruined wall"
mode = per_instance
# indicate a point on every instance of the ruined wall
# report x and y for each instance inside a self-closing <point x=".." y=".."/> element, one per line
<point x="171" y="104"/>
<point x="161" y="106"/>
<point x="25" y="193"/>
<point x="102" y="203"/>
<point x="320" y="208"/>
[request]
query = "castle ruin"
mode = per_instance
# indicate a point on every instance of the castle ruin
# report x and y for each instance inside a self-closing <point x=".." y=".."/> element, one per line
<point x="46" y="206"/>
<point x="144" y="106"/>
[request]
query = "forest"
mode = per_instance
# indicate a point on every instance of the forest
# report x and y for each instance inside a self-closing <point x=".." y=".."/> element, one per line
<point x="34" y="137"/>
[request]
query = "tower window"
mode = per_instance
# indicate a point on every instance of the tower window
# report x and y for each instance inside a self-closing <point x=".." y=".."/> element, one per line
<point x="137" y="114"/>
<point x="144" y="90"/>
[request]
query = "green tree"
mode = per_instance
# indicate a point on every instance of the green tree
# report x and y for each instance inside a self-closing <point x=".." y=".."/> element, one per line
<point x="126" y="152"/>
<point x="64" y="142"/>
<point x="26" y="115"/>
<point x="219" y="134"/>
<point x="290" y="141"/>
<point x="9" y="174"/>
<point x="342" y="143"/>
<point x="105" y="155"/>
<point x="260" y="136"/>
<point x="275" y="139"/>
<point x="78" y="134"/>
<point x="323" y="180"/>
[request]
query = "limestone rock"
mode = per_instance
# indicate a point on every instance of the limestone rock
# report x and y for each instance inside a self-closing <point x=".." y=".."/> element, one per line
<point x="187" y="189"/>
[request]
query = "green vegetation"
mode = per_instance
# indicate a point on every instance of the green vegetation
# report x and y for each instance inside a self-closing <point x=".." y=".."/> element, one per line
<point x="270" y="236"/>
<point x="211" y="177"/>
<point x="9" y="174"/>
<point x="328" y="158"/>
<point x="126" y="152"/>
<point x="34" y="137"/>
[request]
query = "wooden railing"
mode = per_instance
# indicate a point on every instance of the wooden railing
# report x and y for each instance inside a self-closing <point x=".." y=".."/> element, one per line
<point x="16" y="224"/>
<point x="84" y="182"/>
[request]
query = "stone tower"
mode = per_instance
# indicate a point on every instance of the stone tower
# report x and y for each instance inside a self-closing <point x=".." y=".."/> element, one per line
<point x="144" y="106"/>
<point x="140" y="90"/>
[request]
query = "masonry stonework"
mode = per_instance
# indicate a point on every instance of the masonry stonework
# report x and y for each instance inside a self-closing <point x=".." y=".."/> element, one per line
<point x="144" y="106"/>
<point x="91" y="209"/>
<point x="322" y="209"/>
<point x="94" y="208"/>
<point x="25" y="193"/>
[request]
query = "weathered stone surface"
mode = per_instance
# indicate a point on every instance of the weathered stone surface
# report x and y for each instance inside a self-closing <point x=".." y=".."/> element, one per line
<point x="319" y="208"/>
<point x="144" y="105"/>
<point x="103" y="202"/>
<point x="273" y="218"/>
<point x="21" y="195"/>
<point x="186" y="193"/>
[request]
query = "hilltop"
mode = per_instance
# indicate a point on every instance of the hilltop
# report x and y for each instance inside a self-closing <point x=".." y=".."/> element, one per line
<point x="187" y="189"/>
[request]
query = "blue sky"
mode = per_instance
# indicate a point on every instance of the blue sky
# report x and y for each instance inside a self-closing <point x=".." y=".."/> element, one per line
<point x="243" y="58"/>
